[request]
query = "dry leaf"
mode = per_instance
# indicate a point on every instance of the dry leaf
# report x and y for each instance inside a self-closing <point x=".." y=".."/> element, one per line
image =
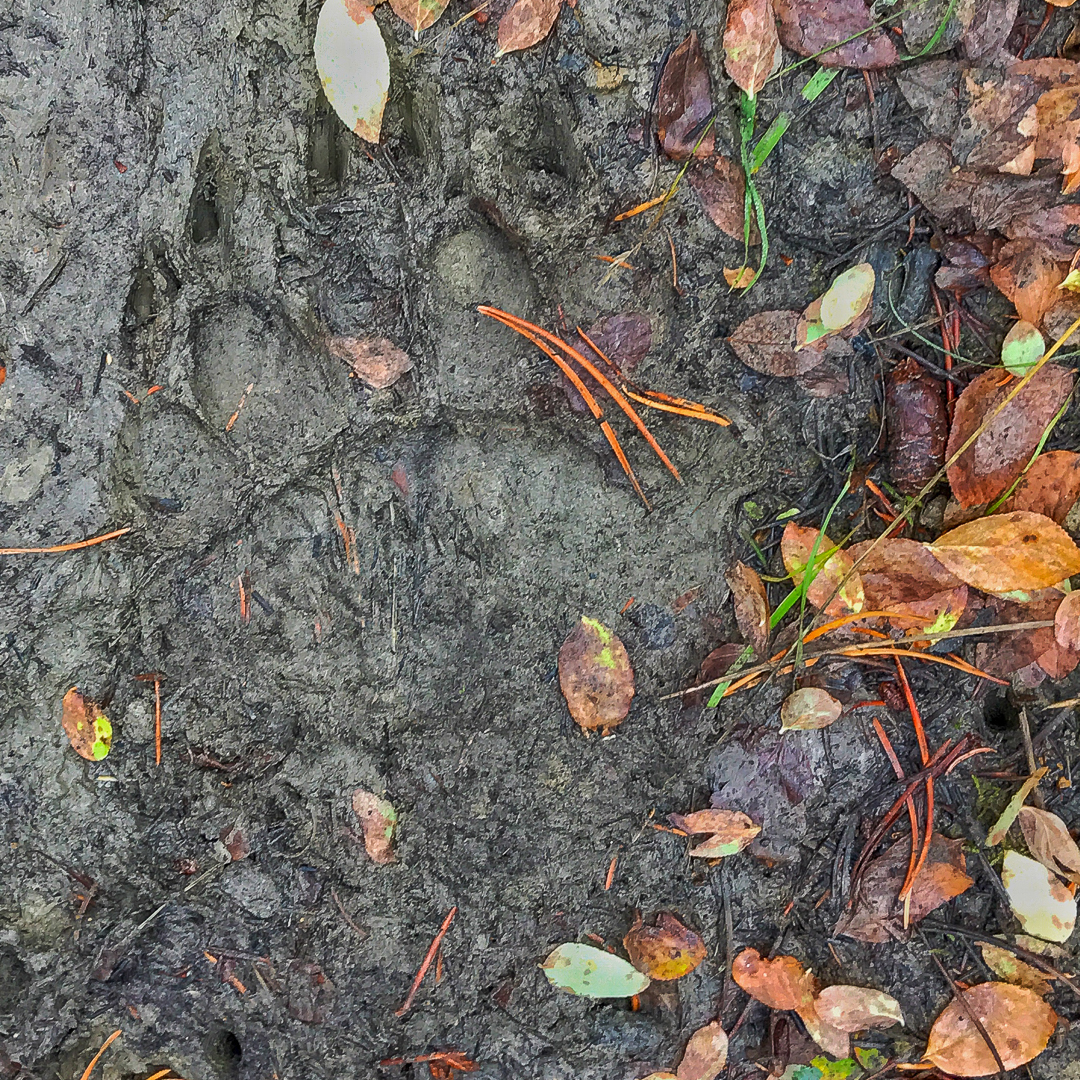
<point x="1043" y="906"/>
<point x="376" y="360"/>
<point x="810" y="26"/>
<point x="1009" y="968"/>
<point x="1029" y="276"/>
<point x="721" y="188"/>
<point x="527" y="23"/>
<point x="751" y="46"/>
<point x="809" y="709"/>
<point x="86" y="726"/>
<point x="379" y="821"/>
<point x="684" y="102"/>
<point x="1003" y="654"/>
<point x="917" y="425"/>
<point x="781" y="983"/>
<point x="705" y="1055"/>
<point x="1067" y="622"/>
<point x="855" y="1008"/>
<point x="1006" y="552"/>
<point x="418" y="14"/>
<point x="796" y="546"/>
<point x="998" y="456"/>
<point x="1051" y="486"/>
<point x="729" y="831"/>
<point x="1004" y="822"/>
<point x="666" y="950"/>
<point x="831" y="1039"/>
<point x="1017" y="1020"/>
<point x="739" y="277"/>
<point x="751" y="605"/>
<point x="1049" y="840"/>
<point x="766" y="343"/>
<point x="596" y="677"/>
<point x="990" y="25"/>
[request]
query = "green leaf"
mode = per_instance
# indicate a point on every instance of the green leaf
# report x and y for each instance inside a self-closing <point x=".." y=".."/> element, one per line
<point x="870" y="1058"/>
<point x="1022" y="348"/>
<point x="593" y="973"/>
<point x="834" y="1070"/>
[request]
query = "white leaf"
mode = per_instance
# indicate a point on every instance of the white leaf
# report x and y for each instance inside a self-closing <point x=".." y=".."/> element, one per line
<point x="1043" y="905"/>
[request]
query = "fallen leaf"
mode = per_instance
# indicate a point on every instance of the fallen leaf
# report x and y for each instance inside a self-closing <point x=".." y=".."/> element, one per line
<point x="353" y="65"/>
<point x="739" y="277"/>
<point x="855" y="1008"/>
<point x="378" y="819"/>
<point x="1004" y="654"/>
<point x="1009" y="814"/>
<point x="729" y="831"/>
<point x="235" y="842"/>
<point x="1041" y="904"/>
<point x="527" y="23"/>
<point x="1049" y="840"/>
<point x="596" y="677"/>
<point x="751" y="605"/>
<point x="780" y="983"/>
<point x="684" y="102"/>
<point x="810" y="26"/>
<point x="665" y="950"/>
<point x="847" y="297"/>
<point x="593" y="973"/>
<point x="1009" y="968"/>
<point x="706" y="1054"/>
<point x="418" y="14"/>
<point x="624" y="338"/>
<point x="1067" y="622"/>
<point x="877" y="914"/>
<point x="1018" y="1022"/>
<point x="715" y="664"/>
<point x="86" y="726"/>
<point x="809" y="709"/>
<point x="751" y="46"/>
<point x="766" y="343"/>
<point x="917" y="425"/>
<point x="376" y="360"/>
<point x="1022" y="347"/>
<point x="1029" y="276"/>
<point x="721" y="188"/>
<point x="998" y="456"/>
<point x="796" y="546"/>
<point x="990" y="24"/>
<point x="1051" y="486"/>
<point x="831" y="1039"/>
<point x="1005" y="552"/>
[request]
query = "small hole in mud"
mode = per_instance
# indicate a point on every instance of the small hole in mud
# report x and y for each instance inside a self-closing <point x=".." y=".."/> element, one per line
<point x="1000" y="714"/>
<point x="223" y="1052"/>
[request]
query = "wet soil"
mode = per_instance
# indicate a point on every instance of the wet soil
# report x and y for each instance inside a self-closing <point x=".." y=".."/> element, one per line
<point x="179" y="208"/>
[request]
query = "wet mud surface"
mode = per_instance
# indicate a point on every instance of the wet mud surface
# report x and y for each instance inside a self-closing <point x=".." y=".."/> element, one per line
<point x="179" y="208"/>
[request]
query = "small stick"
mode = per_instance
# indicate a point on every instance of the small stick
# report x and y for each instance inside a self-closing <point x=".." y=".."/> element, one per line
<point x="97" y="1057"/>
<point x="346" y="916"/>
<point x="611" y="872"/>
<point x="1029" y="750"/>
<point x="433" y="948"/>
<point x="58" y="548"/>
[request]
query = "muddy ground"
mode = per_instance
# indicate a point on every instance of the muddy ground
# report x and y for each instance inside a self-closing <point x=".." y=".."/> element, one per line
<point x="179" y="208"/>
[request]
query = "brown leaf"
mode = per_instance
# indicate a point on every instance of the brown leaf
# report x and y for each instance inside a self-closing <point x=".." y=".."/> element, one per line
<point x="418" y="14"/>
<point x="665" y="950"/>
<point x="809" y="26"/>
<point x="830" y="1038"/>
<point x="684" y="102"/>
<point x="1067" y="622"/>
<point x="877" y="913"/>
<point x="721" y="189"/>
<point x="235" y="842"/>
<point x="1049" y="841"/>
<point x="990" y="24"/>
<point x="766" y="343"/>
<point x="624" y="338"/>
<point x="729" y="831"/>
<point x="1007" y="552"/>
<point x="1051" y="486"/>
<point x="751" y="46"/>
<point x="1029" y="276"/>
<point x="917" y="425"/>
<point x="379" y="821"/>
<point x="1018" y="1022"/>
<point x="1003" y="654"/>
<point x="998" y="456"/>
<point x="855" y="1008"/>
<point x="809" y="709"/>
<point x="796" y="546"/>
<point x="780" y="983"/>
<point x="1009" y="968"/>
<point x="997" y="129"/>
<point x="903" y="576"/>
<point x="86" y="726"/>
<point x="527" y="23"/>
<point x="712" y="667"/>
<point x="596" y="677"/>
<point x="379" y="362"/>
<point x="705" y="1055"/>
<point x="751" y="605"/>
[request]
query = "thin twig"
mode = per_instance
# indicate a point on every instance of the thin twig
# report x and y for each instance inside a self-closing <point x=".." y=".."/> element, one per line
<point x="346" y="916"/>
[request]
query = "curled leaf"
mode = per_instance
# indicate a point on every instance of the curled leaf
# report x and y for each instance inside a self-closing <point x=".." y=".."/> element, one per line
<point x="729" y="831"/>
<point x="917" y="424"/>
<point x="596" y="677"/>
<point x="809" y="709"/>
<point x="1049" y="840"/>
<point x="751" y="604"/>
<point x="854" y="1008"/>
<point x="589" y="972"/>
<point x="86" y="726"/>
<point x="666" y="950"/>
<point x="378" y="818"/>
<point x="1044" y="907"/>
<point x="780" y="983"/>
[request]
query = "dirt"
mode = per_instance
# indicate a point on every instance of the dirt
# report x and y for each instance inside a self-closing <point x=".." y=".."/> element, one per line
<point x="182" y="210"/>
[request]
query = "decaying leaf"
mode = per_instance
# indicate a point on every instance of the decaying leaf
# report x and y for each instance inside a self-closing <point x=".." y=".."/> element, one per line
<point x="1043" y="906"/>
<point x="1022" y="347"/>
<point x="378" y="818"/>
<point x="86" y="726"/>
<point x="810" y="26"/>
<point x="526" y="24"/>
<point x="989" y="27"/>
<point x="1006" y="552"/>
<point x="809" y="709"/>
<point x="1051" y="486"/>
<point x="1003" y="654"/>
<point x="751" y="46"/>
<point x="1017" y="1020"/>
<point x="1008" y="967"/>
<point x="855" y="1008"/>
<point x="796" y="546"/>
<point x="917" y="424"/>
<point x="721" y="188"/>
<point x="751" y="605"/>
<point x="596" y="677"/>
<point x="780" y="983"/>
<point x="766" y="343"/>
<point x="998" y="456"/>
<point x="877" y="914"/>
<point x="739" y="277"/>
<point x="666" y="950"/>
<point x="728" y="831"/>
<point x="1049" y="840"/>
<point x="376" y="360"/>
<point x="590" y="972"/>
<point x="684" y="102"/>
<point x="418" y="14"/>
<point x="830" y="1038"/>
<point x="705" y="1055"/>
<point x="353" y="65"/>
<point x="1067" y="622"/>
<point x="1029" y="275"/>
<point x="1004" y="822"/>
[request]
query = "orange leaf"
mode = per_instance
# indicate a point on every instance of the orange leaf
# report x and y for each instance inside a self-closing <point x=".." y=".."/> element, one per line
<point x="1029" y="276"/>
<point x="1051" y="486"/>
<point x="1006" y="552"/>
<point x="667" y="950"/>
<point x="782" y="983"/>
<point x="527" y="23"/>
<point x="751" y="45"/>
<point x="706" y="1054"/>
<point x="418" y="14"/>
<point x="596" y="677"/>
<point x="751" y="605"/>
<point x="1067" y="622"/>
<point x="796" y="545"/>
<point x="729" y="831"/>
<point x="86" y="726"/>
<point x="855" y="1008"/>
<point x="379" y="821"/>
<point x="1017" y="1020"/>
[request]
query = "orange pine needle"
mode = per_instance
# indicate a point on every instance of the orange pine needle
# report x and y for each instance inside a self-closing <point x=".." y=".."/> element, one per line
<point x="245" y="611"/>
<point x="874" y="489"/>
<point x="626" y="607"/>
<point x="614" y="261"/>
<point x="917" y="858"/>
<point x="694" y="414"/>
<point x="611" y="872"/>
<point x="97" y="1057"/>
<point x="916" y="719"/>
<point x="157" y="721"/>
<point x="913" y="872"/>
<point x="648" y="204"/>
<point x="56" y="549"/>
<point x="159" y="1075"/>
<point x="835" y="624"/>
<point x="406" y="1005"/>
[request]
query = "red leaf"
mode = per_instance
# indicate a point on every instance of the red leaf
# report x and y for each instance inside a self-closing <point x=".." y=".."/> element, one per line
<point x="684" y="102"/>
<point x="751" y="46"/>
<point x="808" y="26"/>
